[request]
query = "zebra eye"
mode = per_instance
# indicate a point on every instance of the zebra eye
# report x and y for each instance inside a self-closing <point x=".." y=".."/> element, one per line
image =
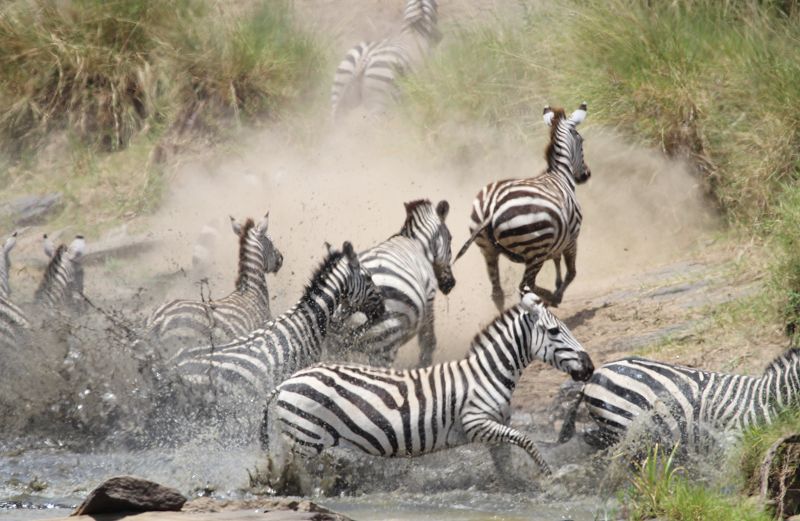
<point x="553" y="330"/>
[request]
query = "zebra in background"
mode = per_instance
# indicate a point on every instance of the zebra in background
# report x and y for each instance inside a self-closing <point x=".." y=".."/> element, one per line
<point x="13" y="323"/>
<point x="684" y="404"/>
<point x="61" y="289"/>
<point x="386" y="412"/>
<point x="189" y="323"/>
<point x="408" y="268"/>
<point x="368" y="74"/>
<point x="252" y="365"/>
<point x="535" y="219"/>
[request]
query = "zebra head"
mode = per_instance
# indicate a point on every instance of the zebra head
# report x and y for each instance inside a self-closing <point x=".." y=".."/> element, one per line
<point x="566" y="144"/>
<point x="421" y="16"/>
<point x="360" y="292"/>
<point x="428" y="227"/>
<point x="62" y="284"/>
<point x="255" y="237"/>
<point x="552" y="341"/>
<point x="5" y="264"/>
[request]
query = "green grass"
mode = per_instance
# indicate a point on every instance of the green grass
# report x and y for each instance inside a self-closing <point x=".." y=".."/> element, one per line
<point x="659" y="489"/>
<point x="757" y="440"/>
<point x="717" y="82"/>
<point x="101" y="92"/>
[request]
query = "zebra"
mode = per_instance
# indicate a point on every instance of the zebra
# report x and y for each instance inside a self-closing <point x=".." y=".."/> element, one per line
<point x="13" y="322"/>
<point x="408" y="268"/>
<point x="61" y="288"/>
<point x="251" y="365"/>
<point x="390" y="413"/>
<point x="683" y="403"/>
<point x="369" y="72"/>
<point x="535" y="219"/>
<point x="189" y="323"/>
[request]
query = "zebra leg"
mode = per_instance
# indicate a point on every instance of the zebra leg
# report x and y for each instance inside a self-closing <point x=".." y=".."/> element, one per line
<point x="427" y="337"/>
<point x="529" y="279"/>
<point x="492" y="268"/>
<point x="557" y="261"/>
<point x="569" y="259"/>
<point x="491" y="431"/>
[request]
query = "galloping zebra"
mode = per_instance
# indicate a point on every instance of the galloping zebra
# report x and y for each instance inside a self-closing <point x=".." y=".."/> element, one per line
<point x="535" y="219"/>
<point x="684" y="403"/>
<point x="388" y="412"/>
<point x="13" y="323"/>
<point x="408" y="268"/>
<point x="369" y="71"/>
<point x="187" y="323"/>
<point x="252" y="365"/>
<point x="61" y="289"/>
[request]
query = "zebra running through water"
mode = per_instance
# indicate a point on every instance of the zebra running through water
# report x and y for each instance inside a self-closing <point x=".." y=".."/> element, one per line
<point x="386" y="412"/>
<point x="188" y="323"/>
<point x="684" y="404"/>
<point x="368" y="74"/>
<point x="61" y="289"/>
<point x="250" y="366"/>
<point x="535" y="219"/>
<point x="408" y="268"/>
<point x="13" y="323"/>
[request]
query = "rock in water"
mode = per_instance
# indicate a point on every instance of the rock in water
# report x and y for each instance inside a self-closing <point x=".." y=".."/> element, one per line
<point x="130" y="494"/>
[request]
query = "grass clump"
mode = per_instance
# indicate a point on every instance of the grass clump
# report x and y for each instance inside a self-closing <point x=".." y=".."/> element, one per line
<point x="83" y="78"/>
<point x="658" y="489"/>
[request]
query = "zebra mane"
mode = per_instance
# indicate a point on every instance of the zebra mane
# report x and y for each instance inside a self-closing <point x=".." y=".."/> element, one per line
<point x="549" y="153"/>
<point x="324" y="269"/>
<point x="248" y="225"/>
<point x="52" y="269"/>
<point x="777" y="365"/>
<point x="512" y="313"/>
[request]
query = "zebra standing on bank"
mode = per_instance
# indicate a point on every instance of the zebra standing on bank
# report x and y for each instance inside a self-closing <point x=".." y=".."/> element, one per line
<point x="386" y="412"/>
<point x="13" y="323"/>
<point x="408" y="268"/>
<point x="684" y="404"/>
<point x="61" y="289"/>
<point x="188" y="323"/>
<point x="368" y="74"/>
<point x="250" y="366"/>
<point x="535" y="219"/>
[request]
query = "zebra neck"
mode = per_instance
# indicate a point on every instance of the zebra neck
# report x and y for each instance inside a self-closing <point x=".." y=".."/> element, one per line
<point x="321" y="301"/>
<point x="252" y="267"/>
<point x="501" y="346"/>
<point x="780" y="388"/>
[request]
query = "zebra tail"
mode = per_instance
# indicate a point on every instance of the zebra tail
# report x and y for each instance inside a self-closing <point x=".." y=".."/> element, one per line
<point x="351" y="87"/>
<point x="471" y="239"/>
<point x="263" y="435"/>
<point x="568" y="427"/>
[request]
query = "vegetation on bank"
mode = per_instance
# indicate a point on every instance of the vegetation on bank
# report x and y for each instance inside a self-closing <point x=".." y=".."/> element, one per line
<point x="717" y="82"/>
<point x="88" y="79"/>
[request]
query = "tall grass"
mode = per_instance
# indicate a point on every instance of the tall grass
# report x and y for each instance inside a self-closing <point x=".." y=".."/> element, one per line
<point x="718" y="82"/>
<point x="109" y="76"/>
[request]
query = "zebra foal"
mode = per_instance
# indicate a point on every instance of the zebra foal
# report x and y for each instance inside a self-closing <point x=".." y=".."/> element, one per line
<point x="368" y="74"/>
<point x="184" y="323"/>
<point x="535" y="219"/>
<point x="408" y="268"/>
<point x="386" y="412"/>
<point x="684" y="403"/>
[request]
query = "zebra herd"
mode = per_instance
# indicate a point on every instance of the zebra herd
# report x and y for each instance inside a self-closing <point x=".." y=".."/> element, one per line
<point x="291" y="373"/>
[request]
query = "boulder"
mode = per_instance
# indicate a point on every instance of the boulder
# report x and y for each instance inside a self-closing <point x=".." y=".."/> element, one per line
<point x="130" y="494"/>
<point x="31" y="209"/>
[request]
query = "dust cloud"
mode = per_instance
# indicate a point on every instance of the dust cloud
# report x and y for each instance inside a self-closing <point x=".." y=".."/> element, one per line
<point x="640" y="209"/>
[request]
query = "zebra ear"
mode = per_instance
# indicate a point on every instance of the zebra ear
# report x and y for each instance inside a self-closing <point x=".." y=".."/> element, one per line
<point x="49" y="248"/>
<point x="328" y="247"/>
<point x="532" y="305"/>
<point x="77" y="247"/>
<point x="547" y="115"/>
<point x="237" y="227"/>
<point x="263" y="224"/>
<point x="579" y="115"/>
<point x="10" y="243"/>
<point x="352" y="258"/>
<point x="442" y="209"/>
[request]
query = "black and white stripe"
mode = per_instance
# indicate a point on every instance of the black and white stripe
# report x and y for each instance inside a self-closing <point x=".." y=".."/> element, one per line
<point x="368" y="74"/>
<point x="250" y="366"/>
<point x="386" y="412"/>
<point x="408" y="268"/>
<point x="13" y="323"/>
<point x="535" y="219"/>
<point x="684" y="404"/>
<point x="189" y="323"/>
<point x="61" y="289"/>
